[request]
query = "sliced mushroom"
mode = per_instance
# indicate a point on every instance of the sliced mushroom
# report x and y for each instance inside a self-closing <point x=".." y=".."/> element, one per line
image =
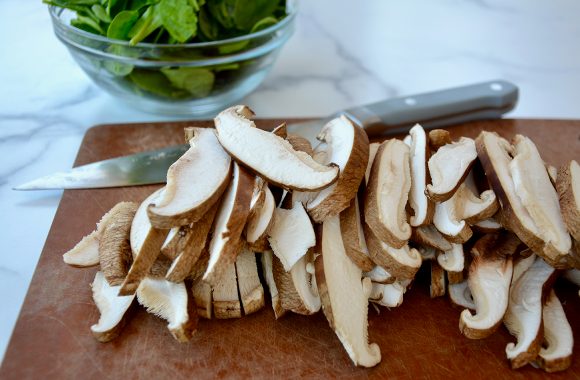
<point x="490" y="275"/>
<point x="448" y="168"/>
<point x="489" y="225"/>
<point x="427" y="253"/>
<point x="277" y="162"/>
<point x="387" y="194"/>
<point x="206" y="165"/>
<point x="291" y="234"/>
<point x="346" y="145"/>
<point x="419" y="154"/>
<point x="258" y="223"/>
<point x="85" y="253"/>
<point x="229" y="224"/>
<point x="300" y="144"/>
<point x="568" y="186"/>
<point x="297" y="288"/>
<point x="429" y="236"/>
<point x="114" y="249"/>
<point x="558" y="337"/>
<point x="379" y="275"/>
<point x="258" y="195"/>
<point x="437" y="288"/>
<point x="453" y="259"/>
<point x="523" y="318"/>
<point x="226" y="303"/>
<point x="353" y="237"/>
<point x="146" y="242"/>
<point x="281" y="131"/>
<point x="449" y="224"/>
<point x="439" y="138"/>
<point x="113" y="309"/>
<point x="197" y="237"/>
<point x="460" y="295"/>
<point x="373" y="149"/>
<point x="539" y="198"/>
<point x="249" y="286"/>
<point x="344" y="296"/>
<point x="176" y="240"/>
<point x="454" y="277"/>
<point x="169" y="301"/>
<point x="471" y="207"/>
<point x="402" y="263"/>
<point x="201" y="292"/>
<point x="388" y="295"/>
<point x="267" y="269"/>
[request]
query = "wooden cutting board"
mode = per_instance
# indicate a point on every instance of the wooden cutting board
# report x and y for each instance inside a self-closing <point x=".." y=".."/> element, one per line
<point x="418" y="339"/>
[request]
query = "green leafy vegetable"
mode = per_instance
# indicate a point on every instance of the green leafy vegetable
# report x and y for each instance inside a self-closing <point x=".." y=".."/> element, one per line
<point x="174" y="22"/>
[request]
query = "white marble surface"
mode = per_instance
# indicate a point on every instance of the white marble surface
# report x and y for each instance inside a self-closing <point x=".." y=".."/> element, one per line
<point x="343" y="53"/>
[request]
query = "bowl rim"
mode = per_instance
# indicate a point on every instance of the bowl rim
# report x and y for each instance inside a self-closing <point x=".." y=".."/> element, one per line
<point x="291" y="9"/>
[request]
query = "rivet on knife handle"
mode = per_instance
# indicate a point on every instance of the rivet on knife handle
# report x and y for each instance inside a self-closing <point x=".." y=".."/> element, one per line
<point x="488" y="100"/>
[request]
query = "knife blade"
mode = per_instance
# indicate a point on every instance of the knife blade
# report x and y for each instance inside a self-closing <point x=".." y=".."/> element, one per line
<point x="487" y="100"/>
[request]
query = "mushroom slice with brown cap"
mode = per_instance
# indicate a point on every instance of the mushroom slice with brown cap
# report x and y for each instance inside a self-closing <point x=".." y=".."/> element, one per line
<point x="523" y="317"/>
<point x="489" y="225"/>
<point x="169" y="301"/>
<point x="387" y="193"/>
<point x="229" y="224"/>
<point x="346" y="145"/>
<point x="568" y="186"/>
<point x="558" y="337"/>
<point x="471" y="207"/>
<point x="419" y="154"/>
<point x="437" y="288"/>
<point x="258" y="195"/>
<point x="291" y="234"/>
<point x="453" y="259"/>
<point x="207" y="166"/>
<point x="114" y="249"/>
<point x="449" y="224"/>
<point x="373" y="149"/>
<point x="430" y="237"/>
<point x="300" y="144"/>
<point x="353" y="236"/>
<point x="495" y="155"/>
<point x="402" y="263"/>
<point x="268" y="271"/>
<point x="448" y="168"/>
<point x="146" y="242"/>
<point x="258" y="223"/>
<point x="490" y="275"/>
<point x="226" y="303"/>
<point x="86" y="252"/>
<point x="278" y="162"/>
<point x="344" y="296"/>
<point x="196" y="242"/>
<point x="113" y="309"/>
<point x="539" y="198"/>
<point x="250" y="289"/>
<point x="379" y="275"/>
<point x="460" y="295"/>
<point x="176" y="241"/>
<point x="297" y="288"/>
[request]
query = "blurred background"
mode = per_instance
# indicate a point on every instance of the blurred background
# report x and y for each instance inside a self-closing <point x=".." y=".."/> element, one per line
<point x="342" y="53"/>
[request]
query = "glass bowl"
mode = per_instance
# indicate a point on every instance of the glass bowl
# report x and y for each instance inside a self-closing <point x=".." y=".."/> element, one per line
<point x="181" y="79"/>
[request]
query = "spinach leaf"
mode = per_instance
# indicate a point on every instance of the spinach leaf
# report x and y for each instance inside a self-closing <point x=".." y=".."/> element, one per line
<point x="122" y="24"/>
<point x="116" y="68"/>
<point x="179" y="18"/>
<point x="197" y="81"/>
<point x="264" y="23"/>
<point x="101" y="13"/>
<point x="156" y="83"/>
<point x="248" y="12"/>
<point x="87" y="24"/>
<point x="146" y="25"/>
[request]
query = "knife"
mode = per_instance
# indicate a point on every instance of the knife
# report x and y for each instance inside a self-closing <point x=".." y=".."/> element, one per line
<point x="488" y="100"/>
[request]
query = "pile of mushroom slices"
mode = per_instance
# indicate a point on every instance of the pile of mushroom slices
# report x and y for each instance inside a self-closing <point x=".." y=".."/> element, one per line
<point x="340" y="225"/>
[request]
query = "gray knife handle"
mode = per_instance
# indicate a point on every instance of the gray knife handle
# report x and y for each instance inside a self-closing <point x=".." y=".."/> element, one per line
<point x="488" y="100"/>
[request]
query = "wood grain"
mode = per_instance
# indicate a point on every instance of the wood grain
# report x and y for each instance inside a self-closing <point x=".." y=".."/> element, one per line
<point x="420" y="339"/>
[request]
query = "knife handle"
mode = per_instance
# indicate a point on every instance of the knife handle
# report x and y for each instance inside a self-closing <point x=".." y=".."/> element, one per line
<point x="488" y="100"/>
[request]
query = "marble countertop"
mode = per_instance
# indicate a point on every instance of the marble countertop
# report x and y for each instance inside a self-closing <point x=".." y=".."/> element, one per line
<point x="343" y="53"/>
